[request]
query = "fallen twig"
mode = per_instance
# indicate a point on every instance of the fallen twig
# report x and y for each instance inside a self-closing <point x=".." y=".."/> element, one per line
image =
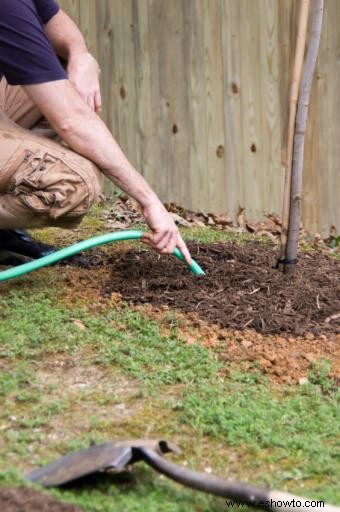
<point x="330" y="318"/>
<point x="317" y="302"/>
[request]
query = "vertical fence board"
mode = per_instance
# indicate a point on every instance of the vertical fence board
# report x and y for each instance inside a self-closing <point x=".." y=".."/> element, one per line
<point x="251" y="107"/>
<point x="271" y="172"/>
<point x="124" y="98"/>
<point x="234" y="154"/>
<point x="143" y="126"/>
<point x="288" y="12"/>
<point x="198" y="171"/>
<point x="88" y="23"/>
<point x="321" y="188"/>
<point x="214" y="101"/>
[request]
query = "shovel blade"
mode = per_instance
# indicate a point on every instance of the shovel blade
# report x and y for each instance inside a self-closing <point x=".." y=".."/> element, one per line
<point x="108" y="456"/>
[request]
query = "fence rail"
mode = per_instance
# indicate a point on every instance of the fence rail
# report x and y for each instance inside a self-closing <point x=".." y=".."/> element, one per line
<point x="196" y="92"/>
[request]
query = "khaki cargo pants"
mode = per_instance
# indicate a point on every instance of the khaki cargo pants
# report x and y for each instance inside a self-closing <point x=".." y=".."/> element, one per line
<point x="42" y="182"/>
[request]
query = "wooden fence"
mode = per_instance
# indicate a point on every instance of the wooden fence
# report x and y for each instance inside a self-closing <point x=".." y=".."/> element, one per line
<point x="196" y="92"/>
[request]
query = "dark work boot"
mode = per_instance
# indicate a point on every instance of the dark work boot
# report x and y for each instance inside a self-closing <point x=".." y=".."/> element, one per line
<point x="17" y="247"/>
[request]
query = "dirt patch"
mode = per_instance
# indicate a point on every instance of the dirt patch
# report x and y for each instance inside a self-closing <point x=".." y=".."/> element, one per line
<point x="283" y="359"/>
<point x="29" y="500"/>
<point x="92" y="392"/>
<point x="241" y="289"/>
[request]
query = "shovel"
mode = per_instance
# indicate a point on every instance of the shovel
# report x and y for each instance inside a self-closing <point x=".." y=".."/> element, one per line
<point x="113" y="457"/>
<point x="116" y="456"/>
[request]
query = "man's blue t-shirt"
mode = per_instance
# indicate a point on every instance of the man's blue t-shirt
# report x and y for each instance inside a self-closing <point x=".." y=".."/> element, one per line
<point x="26" y="55"/>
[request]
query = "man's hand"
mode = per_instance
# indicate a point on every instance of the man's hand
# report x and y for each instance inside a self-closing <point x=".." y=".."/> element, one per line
<point x="165" y="235"/>
<point x="83" y="72"/>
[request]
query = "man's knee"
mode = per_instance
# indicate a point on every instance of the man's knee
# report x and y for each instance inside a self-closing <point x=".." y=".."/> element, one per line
<point x="58" y="188"/>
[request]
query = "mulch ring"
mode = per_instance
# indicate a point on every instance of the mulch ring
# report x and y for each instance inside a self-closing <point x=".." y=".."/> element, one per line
<point x="30" y="500"/>
<point x="241" y="290"/>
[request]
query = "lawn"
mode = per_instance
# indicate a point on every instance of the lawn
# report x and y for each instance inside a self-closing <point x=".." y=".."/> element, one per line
<point x="78" y="367"/>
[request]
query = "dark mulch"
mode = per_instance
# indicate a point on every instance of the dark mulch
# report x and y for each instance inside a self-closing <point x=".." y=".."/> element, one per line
<point x="30" y="500"/>
<point x="240" y="290"/>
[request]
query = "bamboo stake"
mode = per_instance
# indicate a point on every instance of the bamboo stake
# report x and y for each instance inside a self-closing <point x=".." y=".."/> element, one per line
<point x="300" y="132"/>
<point x="294" y="92"/>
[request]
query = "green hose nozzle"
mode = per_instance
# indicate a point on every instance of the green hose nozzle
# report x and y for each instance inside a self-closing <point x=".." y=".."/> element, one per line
<point x="25" y="268"/>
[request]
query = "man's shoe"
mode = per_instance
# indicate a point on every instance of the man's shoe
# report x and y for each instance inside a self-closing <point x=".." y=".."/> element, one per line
<point x="17" y="247"/>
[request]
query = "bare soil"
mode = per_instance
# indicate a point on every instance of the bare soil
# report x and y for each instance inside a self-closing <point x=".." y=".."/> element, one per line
<point x="29" y="500"/>
<point x="241" y="289"/>
<point x="285" y="360"/>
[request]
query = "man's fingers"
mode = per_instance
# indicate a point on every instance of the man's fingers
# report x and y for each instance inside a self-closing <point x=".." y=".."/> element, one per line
<point x="90" y="101"/>
<point x="84" y="94"/>
<point x="89" y="96"/>
<point x="184" y="250"/>
<point x="98" y="101"/>
<point x="160" y="241"/>
<point x="170" y="246"/>
<point x="166" y="243"/>
<point x="156" y="239"/>
<point x="147" y="242"/>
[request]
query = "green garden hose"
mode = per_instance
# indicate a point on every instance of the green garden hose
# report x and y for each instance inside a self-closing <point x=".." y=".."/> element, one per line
<point x="81" y="246"/>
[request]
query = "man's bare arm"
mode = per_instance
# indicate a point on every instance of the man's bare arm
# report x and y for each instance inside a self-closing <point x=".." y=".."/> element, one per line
<point x="64" y="35"/>
<point x="82" y="68"/>
<point x="82" y="129"/>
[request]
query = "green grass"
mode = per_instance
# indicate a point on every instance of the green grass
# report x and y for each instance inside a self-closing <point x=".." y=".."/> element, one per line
<point x="71" y="374"/>
<point x="296" y="429"/>
<point x="206" y="235"/>
<point x="122" y="337"/>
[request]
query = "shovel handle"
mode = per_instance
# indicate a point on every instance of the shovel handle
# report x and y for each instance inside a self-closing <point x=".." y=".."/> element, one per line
<point x="238" y="491"/>
<point x="203" y="481"/>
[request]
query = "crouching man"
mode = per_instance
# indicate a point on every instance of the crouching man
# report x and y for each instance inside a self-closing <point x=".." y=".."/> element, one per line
<point x="44" y="182"/>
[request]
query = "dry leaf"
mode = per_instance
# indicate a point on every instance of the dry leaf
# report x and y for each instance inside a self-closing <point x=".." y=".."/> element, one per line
<point x="179" y="220"/>
<point x="240" y="217"/>
<point x="116" y="224"/>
